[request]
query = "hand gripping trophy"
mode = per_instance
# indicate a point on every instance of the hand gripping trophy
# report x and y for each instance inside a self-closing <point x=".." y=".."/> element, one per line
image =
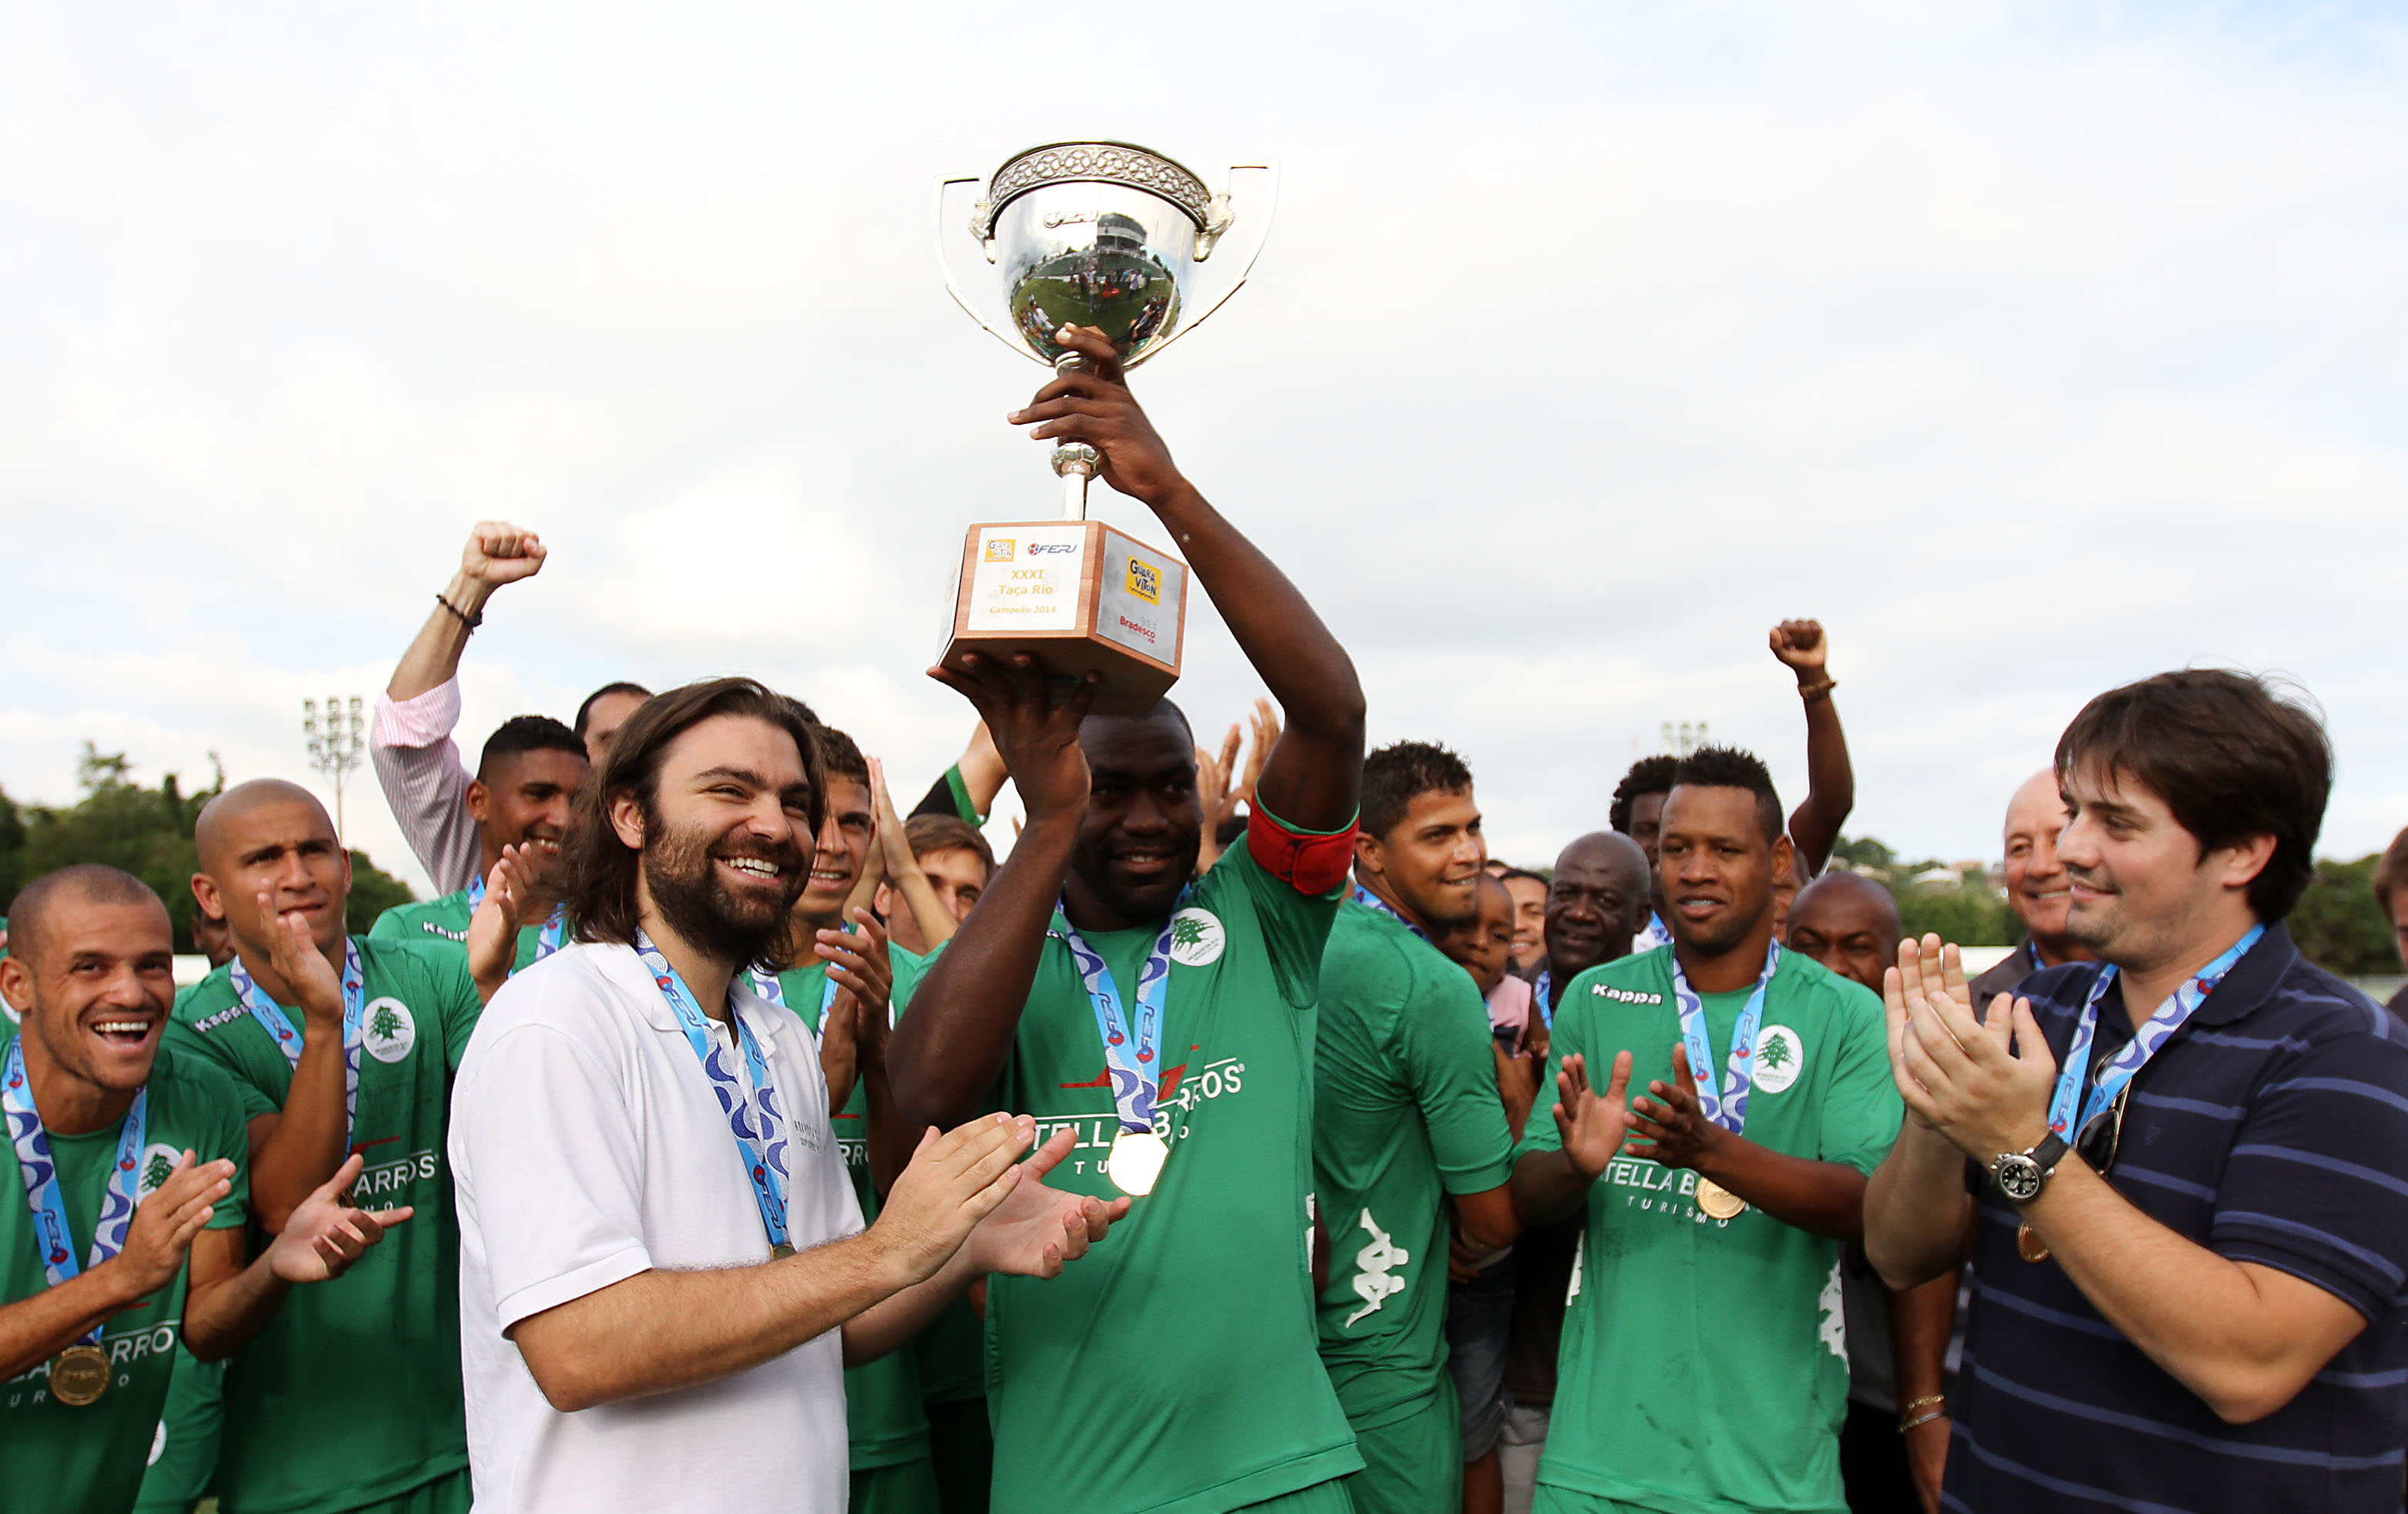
<point x="1118" y="237"/>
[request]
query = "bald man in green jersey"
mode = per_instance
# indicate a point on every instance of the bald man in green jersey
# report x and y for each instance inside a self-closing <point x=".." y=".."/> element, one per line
<point x="121" y="1223"/>
<point x="340" y="1045"/>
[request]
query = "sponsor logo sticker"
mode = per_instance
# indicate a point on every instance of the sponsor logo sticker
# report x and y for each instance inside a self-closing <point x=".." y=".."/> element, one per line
<point x="1145" y="580"/>
<point x="998" y="549"/>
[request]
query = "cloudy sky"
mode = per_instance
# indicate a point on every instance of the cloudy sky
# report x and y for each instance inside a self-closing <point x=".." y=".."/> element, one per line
<point x="2033" y="348"/>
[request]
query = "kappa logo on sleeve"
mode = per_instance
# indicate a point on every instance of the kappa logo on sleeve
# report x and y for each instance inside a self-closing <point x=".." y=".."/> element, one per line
<point x="222" y="1019"/>
<point x="390" y="1032"/>
<point x="1626" y="996"/>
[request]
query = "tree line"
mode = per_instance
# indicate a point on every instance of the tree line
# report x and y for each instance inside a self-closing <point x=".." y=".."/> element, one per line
<point x="148" y="831"/>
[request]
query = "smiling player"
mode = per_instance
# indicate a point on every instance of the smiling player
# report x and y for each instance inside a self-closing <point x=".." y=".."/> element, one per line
<point x="1720" y="1199"/>
<point x="124" y="1235"/>
<point x="531" y="769"/>
<point x="1177" y="1367"/>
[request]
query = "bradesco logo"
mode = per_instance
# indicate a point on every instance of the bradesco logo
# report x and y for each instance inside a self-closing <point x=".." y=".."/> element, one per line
<point x="998" y="549"/>
<point x="1145" y="582"/>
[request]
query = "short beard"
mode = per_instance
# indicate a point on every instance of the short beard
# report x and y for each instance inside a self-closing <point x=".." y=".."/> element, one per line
<point x="697" y="903"/>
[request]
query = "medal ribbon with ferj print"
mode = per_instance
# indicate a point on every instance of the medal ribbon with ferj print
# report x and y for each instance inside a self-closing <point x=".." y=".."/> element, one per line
<point x="40" y="1171"/>
<point x="2134" y="1054"/>
<point x="1723" y="1101"/>
<point x="288" y="1039"/>
<point x="1132" y="1054"/>
<point x="755" y="1121"/>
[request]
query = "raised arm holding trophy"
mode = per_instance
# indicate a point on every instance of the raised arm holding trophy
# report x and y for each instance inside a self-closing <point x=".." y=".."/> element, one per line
<point x="1115" y="239"/>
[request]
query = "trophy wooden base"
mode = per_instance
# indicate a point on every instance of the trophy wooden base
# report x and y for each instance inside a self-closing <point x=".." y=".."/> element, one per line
<point x="1082" y="596"/>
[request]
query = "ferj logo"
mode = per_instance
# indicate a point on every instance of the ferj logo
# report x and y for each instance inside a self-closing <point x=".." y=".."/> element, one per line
<point x="1146" y="581"/>
<point x="998" y="549"/>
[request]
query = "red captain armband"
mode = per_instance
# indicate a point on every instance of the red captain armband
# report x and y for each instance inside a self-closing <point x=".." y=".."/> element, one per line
<point x="1308" y="864"/>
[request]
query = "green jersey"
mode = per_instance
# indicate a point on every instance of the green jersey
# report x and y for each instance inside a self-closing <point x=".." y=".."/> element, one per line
<point x="1704" y="1363"/>
<point x="445" y="921"/>
<point x="352" y="1394"/>
<point x="884" y="1423"/>
<point x="1405" y="1111"/>
<point x="1173" y="1366"/>
<point x="90" y="1460"/>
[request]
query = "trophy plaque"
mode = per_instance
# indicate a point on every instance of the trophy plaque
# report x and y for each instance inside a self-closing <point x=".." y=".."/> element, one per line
<point x="1118" y="237"/>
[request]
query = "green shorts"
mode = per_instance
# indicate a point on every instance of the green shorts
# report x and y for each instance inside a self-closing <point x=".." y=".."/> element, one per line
<point x="1412" y="1464"/>
<point x="904" y="1488"/>
<point x="184" y="1452"/>
<point x="1330" y="1497"/>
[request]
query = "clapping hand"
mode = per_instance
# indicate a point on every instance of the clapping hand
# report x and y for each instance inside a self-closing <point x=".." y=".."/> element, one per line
<point x="164" y="1223"/>
<point x="1984" y="1084"/>
<point x="1677" y="1130"/>
<point x="494" y="928"/>
<point x="324" y="1235"/>
<point x="1592" y="1125"/>
<point x="1036" y="1229"/>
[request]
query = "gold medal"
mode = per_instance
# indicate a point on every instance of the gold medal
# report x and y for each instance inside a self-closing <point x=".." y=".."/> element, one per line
<point x="1136" y="1162"/>
<point x="78" y="1376"/>
<point x="2029" y="1245"/>
<point x="781" y="1251"/>
<point x="1718" y="1202"/>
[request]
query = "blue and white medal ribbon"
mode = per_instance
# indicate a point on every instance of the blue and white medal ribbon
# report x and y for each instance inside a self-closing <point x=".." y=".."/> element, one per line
<point x="766" y="988"/>
<point x="550" y="938"/>
<point x="1132" y="1054"/>
<point x="1542" y="993"/>
<point x="1654" y="934"/>
<point x="1371" y="900"/>
<point x="80" y="1374"/>
<point x="1723" y="1100"/>
<point x="288" y="1039"/>
<point x="2135" y="1054"/>
<point x="753" y="1118"/>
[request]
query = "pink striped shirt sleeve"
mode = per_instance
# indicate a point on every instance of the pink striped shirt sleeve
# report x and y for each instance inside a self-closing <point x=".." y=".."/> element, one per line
<point x="418" y="766"/>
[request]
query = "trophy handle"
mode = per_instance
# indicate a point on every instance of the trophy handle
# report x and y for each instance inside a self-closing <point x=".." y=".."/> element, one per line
<point x="1241" y="222"/>
<point x="954" y="237"/>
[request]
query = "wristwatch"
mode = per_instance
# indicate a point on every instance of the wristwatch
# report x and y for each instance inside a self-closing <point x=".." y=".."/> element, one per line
<point x="2021" y="1174"/>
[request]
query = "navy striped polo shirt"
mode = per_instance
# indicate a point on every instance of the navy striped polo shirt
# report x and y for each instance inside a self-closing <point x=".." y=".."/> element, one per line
<point x="2273" y="1128"/>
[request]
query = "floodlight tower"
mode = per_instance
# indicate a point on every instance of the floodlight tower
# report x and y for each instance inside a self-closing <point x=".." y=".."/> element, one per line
<point x="336" y="743"/>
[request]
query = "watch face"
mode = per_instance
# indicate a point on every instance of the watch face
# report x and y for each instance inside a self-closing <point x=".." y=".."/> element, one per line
<point x="2019" y="1177"/>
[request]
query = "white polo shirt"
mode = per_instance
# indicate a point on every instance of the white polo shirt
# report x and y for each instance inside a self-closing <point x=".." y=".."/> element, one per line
<point x="587" y="1146"/>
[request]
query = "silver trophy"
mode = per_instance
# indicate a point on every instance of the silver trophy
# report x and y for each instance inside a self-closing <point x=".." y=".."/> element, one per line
<point x="1103" y="234"/>
<point x="1126" y="241"/>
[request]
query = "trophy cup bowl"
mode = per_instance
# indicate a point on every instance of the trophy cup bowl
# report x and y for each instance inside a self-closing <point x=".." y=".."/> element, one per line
<point x="1117" y="237"/>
